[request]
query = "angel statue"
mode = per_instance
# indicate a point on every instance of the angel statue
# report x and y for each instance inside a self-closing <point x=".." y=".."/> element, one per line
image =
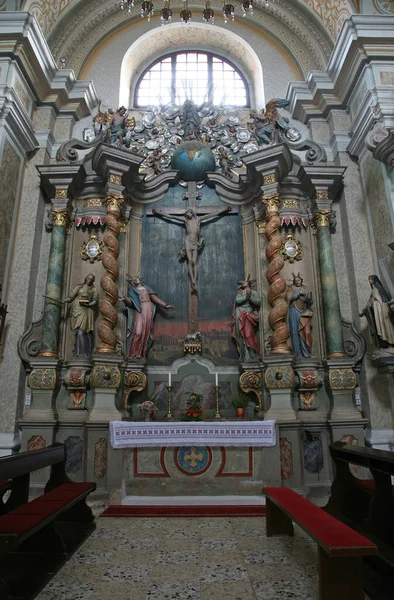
<point x="268" y="122"/>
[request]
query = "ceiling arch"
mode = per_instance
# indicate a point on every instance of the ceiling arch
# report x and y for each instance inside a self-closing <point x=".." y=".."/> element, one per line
<point x="85" y="25"/>
<point x="331" y="13"/>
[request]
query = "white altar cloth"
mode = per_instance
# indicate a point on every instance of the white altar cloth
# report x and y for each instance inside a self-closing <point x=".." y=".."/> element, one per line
<point x="143" y="434"/>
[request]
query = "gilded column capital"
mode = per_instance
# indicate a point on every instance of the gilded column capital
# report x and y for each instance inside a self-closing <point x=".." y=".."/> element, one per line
<point x="114" y="203"/>
<point x="322" y="218"/>
<point x="61" y="217"/>
<point x="272" y="204"/>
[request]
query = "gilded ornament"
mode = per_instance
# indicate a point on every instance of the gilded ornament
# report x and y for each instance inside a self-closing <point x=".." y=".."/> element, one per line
<point x="78" y="398"/>
<point x="116" y="179"/>
<point x="61" y="194"/>
<point x="342" y="379"/>
<point x="135" y="382"/>
<point x="105" y="377"/>
<point x="322" y="218"/>
<point x="250" y="381"/>
<point x="272" y="204"/>
<point x="321" y="194"/>
<point x="279" y="377"/>
<point x="61" y="217"/>
<point x="92" y="249"/>
<point x="192" y="343"/>
<point x="308" y="401"/>
<point x="42" y="379"/>
<point x="92" y="202"/>
<point x="268" y="179"/>
<point x="290" y="203"/>
<point x="291" y="248"/>
<point x="261" y="225"/>
<point x="114" y="203"/>
<point x="122" y="223"/>
<point x="308" y="379"/>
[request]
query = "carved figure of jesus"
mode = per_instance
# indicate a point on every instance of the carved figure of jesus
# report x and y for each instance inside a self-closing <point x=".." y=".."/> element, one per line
<point x="193" y="241"/>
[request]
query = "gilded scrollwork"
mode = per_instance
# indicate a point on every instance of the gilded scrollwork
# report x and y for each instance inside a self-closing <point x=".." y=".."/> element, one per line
<point x="135" y="381"/>
<point x="105" y="377"/>
<point x="279" y="377"/>
<point x="291" y="248"/>
<point x="42" y="379"/>
<point x="342" y="379"/>
<point x="269" y="179"/>
<point x="114" y="178"/>
<point x="250" y="381"/>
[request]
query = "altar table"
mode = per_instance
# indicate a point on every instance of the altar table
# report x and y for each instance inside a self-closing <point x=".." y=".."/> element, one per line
<point x="143" y="434"/>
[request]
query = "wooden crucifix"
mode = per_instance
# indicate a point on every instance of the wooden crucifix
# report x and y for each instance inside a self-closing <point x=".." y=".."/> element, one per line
<point x="191" y="218"/>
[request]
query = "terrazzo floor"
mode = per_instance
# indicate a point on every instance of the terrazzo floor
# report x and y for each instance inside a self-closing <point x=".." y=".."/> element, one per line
<point x="187" y="559"/>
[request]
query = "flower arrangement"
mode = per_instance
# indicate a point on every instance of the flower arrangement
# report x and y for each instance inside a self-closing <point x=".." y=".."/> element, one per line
<point x="148" y="406"/>
<point x="193" y="411"/>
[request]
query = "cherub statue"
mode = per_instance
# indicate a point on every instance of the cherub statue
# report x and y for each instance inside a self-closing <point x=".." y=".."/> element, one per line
<point x="153" y="161"/>
<point x="224" y="160"/>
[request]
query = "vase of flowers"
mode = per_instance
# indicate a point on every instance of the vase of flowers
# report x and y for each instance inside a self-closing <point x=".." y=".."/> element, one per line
<point x="148" y="408"/>
<point x="193" y="410"/>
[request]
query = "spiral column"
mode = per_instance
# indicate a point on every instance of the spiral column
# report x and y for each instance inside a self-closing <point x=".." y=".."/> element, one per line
<point x="109" y="317"/>
<point x="279" y="339"/>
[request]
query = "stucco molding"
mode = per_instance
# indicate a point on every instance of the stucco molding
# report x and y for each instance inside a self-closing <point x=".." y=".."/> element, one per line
<point x="23" y="43"/>
<point x="363" y="39"/>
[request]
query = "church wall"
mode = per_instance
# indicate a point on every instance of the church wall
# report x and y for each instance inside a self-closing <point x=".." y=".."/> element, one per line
<point x="10" y="167"/>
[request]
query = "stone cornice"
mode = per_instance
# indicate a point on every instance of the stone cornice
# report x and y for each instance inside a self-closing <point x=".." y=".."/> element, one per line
<point x="23" y="42"/>
<point x="363" y="39"/>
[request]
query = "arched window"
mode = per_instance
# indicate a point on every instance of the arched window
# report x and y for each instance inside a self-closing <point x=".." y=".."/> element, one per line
<point x="196" y="76"/>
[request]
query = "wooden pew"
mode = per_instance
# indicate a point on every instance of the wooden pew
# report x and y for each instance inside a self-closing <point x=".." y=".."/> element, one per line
<point x="340" y="549"/>
<point x="367" y="505"/>
<point x="52" y="524"/>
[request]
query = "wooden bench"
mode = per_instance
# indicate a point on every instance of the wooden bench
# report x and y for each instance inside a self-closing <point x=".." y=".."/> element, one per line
<point x="366" y="505"/>
<point x="340" y="549"/>
<point x="53" y="523"/>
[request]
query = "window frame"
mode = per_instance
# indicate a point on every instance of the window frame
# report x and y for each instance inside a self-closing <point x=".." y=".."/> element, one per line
<point x="173" y="57"/>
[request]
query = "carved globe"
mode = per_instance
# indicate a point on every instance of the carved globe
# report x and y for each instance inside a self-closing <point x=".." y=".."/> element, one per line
<point x="193" y="159"/>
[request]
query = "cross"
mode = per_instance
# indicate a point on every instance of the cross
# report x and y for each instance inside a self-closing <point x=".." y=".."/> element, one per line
<point x="193" y="242"/>
<point x="193" y="457"/>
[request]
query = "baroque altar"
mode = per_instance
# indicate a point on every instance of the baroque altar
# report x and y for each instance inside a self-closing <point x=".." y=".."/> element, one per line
<point x="191" y="249"/>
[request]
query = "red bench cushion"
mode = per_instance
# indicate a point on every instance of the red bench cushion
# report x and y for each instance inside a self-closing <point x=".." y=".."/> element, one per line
<point x="323" y="526"/>
<point x="25" y="517"/>
<point x="369" y="484"/>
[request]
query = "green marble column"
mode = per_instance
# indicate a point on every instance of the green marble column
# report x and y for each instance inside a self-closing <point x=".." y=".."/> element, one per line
<point x="52" y="308"/>
<point x="331" y="308"/>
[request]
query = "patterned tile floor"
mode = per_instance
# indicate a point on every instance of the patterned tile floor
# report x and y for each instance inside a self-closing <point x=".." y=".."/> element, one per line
<point x="187" y="559"/>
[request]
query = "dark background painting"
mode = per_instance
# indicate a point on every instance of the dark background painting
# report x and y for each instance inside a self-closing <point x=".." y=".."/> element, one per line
<point x="220" y="266"/>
